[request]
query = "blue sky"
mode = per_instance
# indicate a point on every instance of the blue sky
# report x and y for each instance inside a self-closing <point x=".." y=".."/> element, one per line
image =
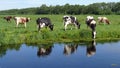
<point x="18" y="4"/>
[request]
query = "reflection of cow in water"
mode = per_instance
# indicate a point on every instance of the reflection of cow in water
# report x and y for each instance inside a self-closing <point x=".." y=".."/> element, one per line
<point x="44" y="51"/>
<point x="69" y="49"/>
<point x="91" y="50"/>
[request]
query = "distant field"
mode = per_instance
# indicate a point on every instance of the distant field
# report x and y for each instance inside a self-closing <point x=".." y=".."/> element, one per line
<point x="9" y="34"/>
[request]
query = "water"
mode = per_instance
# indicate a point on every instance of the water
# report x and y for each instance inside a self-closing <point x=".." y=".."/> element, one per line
<point x="61" y="55"/>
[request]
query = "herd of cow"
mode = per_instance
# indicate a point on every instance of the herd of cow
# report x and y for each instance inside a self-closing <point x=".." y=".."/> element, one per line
<point x="46" y="22"/>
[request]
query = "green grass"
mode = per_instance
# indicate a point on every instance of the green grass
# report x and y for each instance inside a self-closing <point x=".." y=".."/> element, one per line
<point x="9" y="34"/>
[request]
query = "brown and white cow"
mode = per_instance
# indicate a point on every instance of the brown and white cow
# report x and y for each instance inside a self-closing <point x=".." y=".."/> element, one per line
<point x="8" y="18"/>
<point x="103" y="20"/>
<point x="21" y="20"/>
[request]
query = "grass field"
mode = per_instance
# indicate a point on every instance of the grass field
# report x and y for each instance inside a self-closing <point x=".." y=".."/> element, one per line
<point x="9" y="34"/>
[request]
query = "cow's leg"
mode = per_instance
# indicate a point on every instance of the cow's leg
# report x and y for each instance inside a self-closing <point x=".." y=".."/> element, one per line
<point x="17" y="23"/>
<point x="104" y="22"/>
<point x="93" y="34"/>
<point x="8" y="21"/>
<point x="87" y="26"/>
<point x="65" y="26"/>
<point x="99" y="21"/>
<point x="25" y="24"/>
<point x="39" y="27"/>
<point x="46" y="27"/>
<point x="75" y="25"/>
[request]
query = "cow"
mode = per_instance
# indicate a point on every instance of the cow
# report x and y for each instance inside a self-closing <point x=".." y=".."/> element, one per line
<point x="44" y="22"/>
<point x="103" y="20"/>
<point x="92" y="24"/>
<point x="21" y="20"/>
<point x="8" y="18"/>
<point x="70" y="20"/>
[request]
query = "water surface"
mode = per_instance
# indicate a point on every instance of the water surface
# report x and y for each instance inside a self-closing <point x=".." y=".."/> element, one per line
<point x="61" y="55"/>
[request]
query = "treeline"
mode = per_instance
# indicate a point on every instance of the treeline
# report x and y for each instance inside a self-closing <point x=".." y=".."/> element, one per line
<point x="95" y="8"/>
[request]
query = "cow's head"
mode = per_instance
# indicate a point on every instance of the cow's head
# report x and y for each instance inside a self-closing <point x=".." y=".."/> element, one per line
<point x="28" y="19"/>
<point x="51" y="27"/>
<point x="65" y="18"/>
<point x="78" y="25"/>
<point x="89" y="18"/>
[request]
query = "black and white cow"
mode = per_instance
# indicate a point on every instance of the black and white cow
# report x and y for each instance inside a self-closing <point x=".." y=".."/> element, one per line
<point x="70" y="20"/>
<point x="92" y="24"/>
<point x="44" y="22"/>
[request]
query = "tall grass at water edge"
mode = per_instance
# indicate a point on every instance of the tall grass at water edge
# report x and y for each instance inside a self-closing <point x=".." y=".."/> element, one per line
<point x="9" y="34"/>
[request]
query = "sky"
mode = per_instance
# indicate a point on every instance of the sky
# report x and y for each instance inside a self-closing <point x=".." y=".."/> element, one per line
<point x="18" y="4"/>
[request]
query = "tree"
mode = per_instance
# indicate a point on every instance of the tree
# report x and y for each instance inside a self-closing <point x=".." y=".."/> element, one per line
<point x="95" y="8"/>
<point x="116" y="8"/>
<point x="43" y="9"/>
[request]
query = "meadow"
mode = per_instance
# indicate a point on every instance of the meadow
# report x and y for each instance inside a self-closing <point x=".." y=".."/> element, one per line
<point x="9" y="34"/>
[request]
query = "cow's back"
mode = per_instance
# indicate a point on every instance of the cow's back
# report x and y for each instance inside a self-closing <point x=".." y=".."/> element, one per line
<point x="45" y="20"/>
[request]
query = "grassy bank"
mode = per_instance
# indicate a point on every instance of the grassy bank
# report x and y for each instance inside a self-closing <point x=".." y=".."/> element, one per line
<point x="9" y="34"/>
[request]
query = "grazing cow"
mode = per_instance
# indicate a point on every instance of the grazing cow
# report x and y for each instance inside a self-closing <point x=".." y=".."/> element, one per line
<point x="103" y="20"/>
<point x="8" y="18"/>
<point x="21" y="20"/>
<point x="44" y="22"/>
<point x="70" y="20"/>
<point x="92" y="24"/>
